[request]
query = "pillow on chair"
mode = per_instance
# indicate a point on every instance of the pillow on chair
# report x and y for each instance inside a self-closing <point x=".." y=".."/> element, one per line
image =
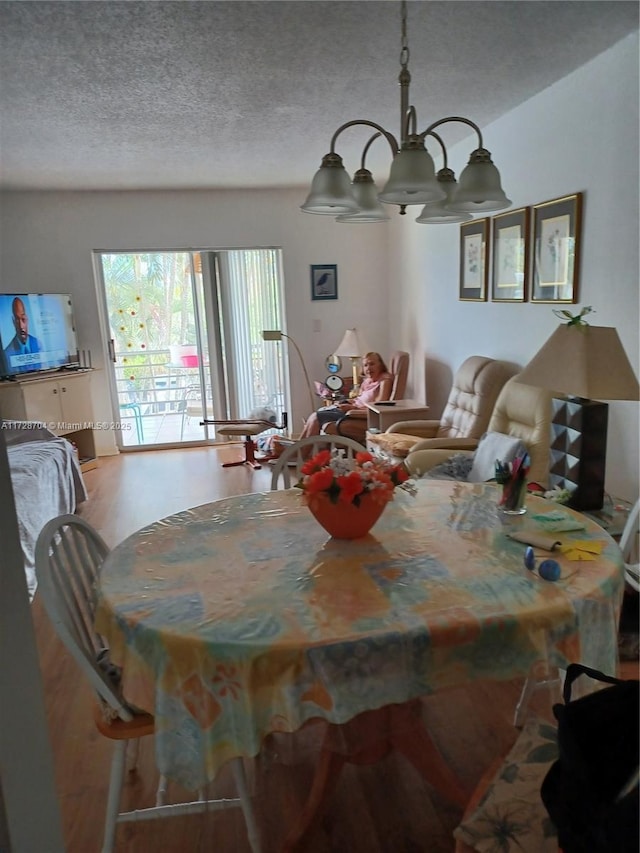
<point x="492" y="446"/>
<point x="479" y="466"/>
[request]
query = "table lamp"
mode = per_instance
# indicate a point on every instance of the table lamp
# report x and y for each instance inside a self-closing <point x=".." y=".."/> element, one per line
<point x="277" y="335"/>
<point x="351" y="347"/>
<point x="582" y="362"/>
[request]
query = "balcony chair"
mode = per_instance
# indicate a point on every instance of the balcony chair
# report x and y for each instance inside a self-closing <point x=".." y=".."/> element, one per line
<point x="464" y="420"/>
<point x="294" y="456"/>
<point x="68" y="557"/>
<point x="354" y="423"/>
<point x="132" y="404"/>
<point x="193" y="406"/>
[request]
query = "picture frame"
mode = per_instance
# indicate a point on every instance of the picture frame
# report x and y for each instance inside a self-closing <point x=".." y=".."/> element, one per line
<point x="510" y="270"/>
<point x="474" y="260"/>
<point x="324" y="281"/>
<point x="556" y="249"/>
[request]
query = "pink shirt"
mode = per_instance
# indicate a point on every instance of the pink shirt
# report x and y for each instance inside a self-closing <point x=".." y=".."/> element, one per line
<point x="369" y="390"/>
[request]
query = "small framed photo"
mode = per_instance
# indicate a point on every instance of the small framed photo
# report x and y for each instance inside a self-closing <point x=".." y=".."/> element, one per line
<point x="324" y="281"/>
<point x="556" y="249"/>
<point x="474" y="260"/>
<point x="509" y="282"/>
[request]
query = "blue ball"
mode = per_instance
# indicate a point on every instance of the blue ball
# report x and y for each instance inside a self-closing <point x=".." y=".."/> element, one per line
<point x="549" y="570"/>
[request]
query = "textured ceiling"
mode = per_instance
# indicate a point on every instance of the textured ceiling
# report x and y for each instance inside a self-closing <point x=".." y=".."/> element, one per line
<point x="134" y="95"/>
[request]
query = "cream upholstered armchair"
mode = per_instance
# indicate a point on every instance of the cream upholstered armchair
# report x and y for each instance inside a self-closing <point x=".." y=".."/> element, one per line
<point x="475" y="389"/>
<point x="521" y="411"/>
<point x="354" y="423"/>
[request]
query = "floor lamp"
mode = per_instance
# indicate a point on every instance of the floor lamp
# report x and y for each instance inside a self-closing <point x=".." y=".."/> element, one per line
<point x="581" y="362"/>
<point x="351" y="347"/>
<point x="277" y="335"/>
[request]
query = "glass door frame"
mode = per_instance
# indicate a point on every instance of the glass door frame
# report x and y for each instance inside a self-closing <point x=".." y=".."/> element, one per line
<point x="211" y="320"/>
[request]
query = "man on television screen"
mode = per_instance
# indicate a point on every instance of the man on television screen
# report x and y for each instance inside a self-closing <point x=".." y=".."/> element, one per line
<point x="22" y="342"/>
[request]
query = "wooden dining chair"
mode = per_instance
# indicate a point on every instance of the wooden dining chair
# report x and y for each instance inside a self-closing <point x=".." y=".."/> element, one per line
<point x="68" y="557"/>
<point x="291" y="460"/>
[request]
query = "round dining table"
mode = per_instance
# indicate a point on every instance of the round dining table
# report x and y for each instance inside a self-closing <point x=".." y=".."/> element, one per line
<point x="242" y="617"/>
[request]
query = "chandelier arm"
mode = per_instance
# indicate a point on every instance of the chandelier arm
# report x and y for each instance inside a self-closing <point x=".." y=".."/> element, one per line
<point x="388" y="136"/>
<point x="367" y="147"/>
<point x="438" y="139"/>
<point x="454" y="118"/>
<point x="410" y="122"/>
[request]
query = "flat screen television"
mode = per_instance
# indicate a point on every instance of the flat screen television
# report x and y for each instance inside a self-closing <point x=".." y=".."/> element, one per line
<point x="36" y="333"/>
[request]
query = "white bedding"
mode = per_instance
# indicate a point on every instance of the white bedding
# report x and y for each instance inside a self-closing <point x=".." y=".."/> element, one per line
<point x="47" y="482"/>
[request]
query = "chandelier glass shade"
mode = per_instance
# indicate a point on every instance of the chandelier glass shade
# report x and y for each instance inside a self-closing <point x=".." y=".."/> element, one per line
<point x="331" y="189"/>
<point x="412" y="176"/>
<point x="441" y="211"/>
<point x="365" y="193"/>
<point x="479" y="188"/>
<point x="412" y="179"/>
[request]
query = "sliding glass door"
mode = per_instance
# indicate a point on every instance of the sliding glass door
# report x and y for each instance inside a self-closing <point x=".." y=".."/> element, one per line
<point x="185" y="340"/>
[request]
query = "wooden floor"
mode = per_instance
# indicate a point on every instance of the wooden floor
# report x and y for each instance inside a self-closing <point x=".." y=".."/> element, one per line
<point x="384" y="808"/>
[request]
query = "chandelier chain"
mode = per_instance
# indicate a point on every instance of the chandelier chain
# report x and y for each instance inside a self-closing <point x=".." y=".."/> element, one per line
<point x="404" y="42"/>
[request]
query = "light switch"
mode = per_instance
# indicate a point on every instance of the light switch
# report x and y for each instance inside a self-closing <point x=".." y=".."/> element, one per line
<point x="316" y="326"/>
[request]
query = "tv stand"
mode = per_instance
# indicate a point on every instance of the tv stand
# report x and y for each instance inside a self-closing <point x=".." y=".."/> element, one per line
<point x="61" y="403"/>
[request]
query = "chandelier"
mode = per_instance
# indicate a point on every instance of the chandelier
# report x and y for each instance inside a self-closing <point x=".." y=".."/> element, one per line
<point x="412" y="177"/>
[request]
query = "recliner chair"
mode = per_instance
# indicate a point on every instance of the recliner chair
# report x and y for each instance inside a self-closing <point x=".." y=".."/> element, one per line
<point x="354" y="423"/>
<point x="464" y="420"/>
<point x="521" y="411"/>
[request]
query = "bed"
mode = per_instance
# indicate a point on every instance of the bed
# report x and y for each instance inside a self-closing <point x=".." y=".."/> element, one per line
<point x="46" y="480"/>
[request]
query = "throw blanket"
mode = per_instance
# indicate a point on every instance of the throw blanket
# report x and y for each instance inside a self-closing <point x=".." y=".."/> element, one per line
<point x="47" y="482"/>
<point x="456" y="467"/>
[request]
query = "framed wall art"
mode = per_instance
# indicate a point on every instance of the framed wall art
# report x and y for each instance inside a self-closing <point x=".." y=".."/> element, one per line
<point x="509" y="282"/>
<point x="474" y="260"/>
<point x="556" y="249"/>
<point x="324" y="281"/>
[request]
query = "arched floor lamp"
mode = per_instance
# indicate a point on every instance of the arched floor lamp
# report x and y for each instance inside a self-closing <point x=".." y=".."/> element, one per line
<point x="277" y="335"/>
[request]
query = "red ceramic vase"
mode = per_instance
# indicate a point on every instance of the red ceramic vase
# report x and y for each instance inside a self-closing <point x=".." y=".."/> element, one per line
<point x="347" y="521"/>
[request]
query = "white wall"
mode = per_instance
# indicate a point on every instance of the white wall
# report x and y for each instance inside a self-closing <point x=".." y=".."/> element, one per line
<point x="48" y="238"/>
<point x="581" y="134"/>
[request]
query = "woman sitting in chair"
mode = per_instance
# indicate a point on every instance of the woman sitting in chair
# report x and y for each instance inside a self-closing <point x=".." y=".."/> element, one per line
<point x="375" y="386"/>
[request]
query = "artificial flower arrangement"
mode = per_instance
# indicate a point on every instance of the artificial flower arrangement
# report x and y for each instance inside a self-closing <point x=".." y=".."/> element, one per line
<point x="349" y="480"/>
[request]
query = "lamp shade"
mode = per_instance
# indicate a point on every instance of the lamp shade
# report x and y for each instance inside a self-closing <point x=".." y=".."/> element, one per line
<point x="437" y="213"/>
<point x="330" y="189"/>
<point x="583" y="361"/>
<point x="365" y="193"/>
<point x="350" y="346"/>
<point x="479" y="187"/>
<point x="412" y="179"/>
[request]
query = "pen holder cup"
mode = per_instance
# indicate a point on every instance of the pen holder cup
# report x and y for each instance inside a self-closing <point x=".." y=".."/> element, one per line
<point x="512" y="499"/>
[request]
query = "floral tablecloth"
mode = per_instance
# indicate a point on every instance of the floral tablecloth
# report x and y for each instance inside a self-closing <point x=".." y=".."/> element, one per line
<point x="241" y="617"/>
